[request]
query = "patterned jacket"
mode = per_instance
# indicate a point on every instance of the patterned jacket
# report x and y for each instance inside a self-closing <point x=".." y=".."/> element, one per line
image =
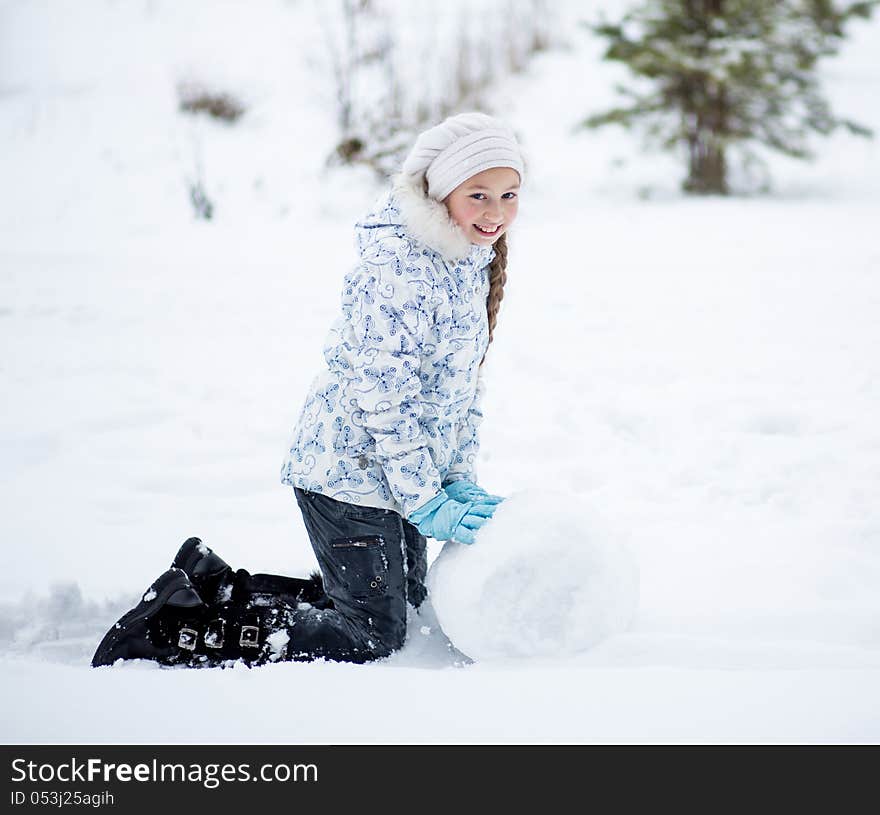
<point x="396" y="410"/>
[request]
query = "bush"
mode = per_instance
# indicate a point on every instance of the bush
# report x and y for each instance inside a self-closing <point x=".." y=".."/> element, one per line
<point x="196" y="99"/>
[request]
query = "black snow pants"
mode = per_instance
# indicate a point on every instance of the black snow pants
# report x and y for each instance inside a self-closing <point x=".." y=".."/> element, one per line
<point x="373" y="562"/>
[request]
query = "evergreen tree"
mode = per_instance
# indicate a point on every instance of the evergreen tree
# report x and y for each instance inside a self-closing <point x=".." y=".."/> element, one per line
<point x="727" y="73"/>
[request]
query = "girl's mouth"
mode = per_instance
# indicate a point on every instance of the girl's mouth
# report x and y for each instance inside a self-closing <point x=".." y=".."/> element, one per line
<point x="488" y="230"/>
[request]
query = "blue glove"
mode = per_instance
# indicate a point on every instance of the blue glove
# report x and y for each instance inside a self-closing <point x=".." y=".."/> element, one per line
<point x="443" y="518"/>
<point x="464" y="490"/>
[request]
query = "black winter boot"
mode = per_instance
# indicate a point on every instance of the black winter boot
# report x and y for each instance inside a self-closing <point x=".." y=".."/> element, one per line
<point x="160" y="627"/>
<point x="172" y="626"/>
<point x="240" y="625"/>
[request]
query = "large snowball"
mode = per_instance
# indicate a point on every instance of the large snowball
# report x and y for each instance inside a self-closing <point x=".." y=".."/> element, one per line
<point x="545" y="577"/>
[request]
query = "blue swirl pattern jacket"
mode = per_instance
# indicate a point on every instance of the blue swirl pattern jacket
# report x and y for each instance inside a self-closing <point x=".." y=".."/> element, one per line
<point x="395" y="413"/>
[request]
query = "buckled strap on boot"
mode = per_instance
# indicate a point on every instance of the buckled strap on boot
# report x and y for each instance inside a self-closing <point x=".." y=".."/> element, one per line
<point x="188" y="638"/>
<point x="250" y="631"/>
<point x="215" y="634"/>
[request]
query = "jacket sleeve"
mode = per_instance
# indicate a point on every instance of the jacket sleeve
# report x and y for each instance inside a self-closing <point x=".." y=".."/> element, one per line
<point x="390" y="317"/>
<point x="464" y="455"/>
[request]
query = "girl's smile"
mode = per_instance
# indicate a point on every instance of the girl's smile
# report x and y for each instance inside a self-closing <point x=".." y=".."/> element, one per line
<point x="488" y="230"/>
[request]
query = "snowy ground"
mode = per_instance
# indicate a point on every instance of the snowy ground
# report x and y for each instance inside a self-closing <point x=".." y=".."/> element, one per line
<point x="707" y="371"/>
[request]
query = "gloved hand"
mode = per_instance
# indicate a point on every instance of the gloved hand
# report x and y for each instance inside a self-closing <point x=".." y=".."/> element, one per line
<point x="464" y="490"/>
<point x="443" y="518"/>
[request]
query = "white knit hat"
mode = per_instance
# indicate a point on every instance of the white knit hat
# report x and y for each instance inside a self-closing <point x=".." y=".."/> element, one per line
<point x="460" y="147"/>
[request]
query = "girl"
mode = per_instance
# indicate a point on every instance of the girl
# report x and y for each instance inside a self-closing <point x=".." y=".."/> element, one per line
<point x="384" y="448"/>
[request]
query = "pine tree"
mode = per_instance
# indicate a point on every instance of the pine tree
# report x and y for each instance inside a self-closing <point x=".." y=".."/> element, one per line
<point x="727" y="73"/>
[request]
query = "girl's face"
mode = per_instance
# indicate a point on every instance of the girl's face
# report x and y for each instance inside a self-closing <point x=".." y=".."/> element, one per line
<point x="485" y="205"/>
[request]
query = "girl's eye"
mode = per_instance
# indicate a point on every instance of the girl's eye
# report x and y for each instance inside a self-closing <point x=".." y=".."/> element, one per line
<point x="480" y="196"/>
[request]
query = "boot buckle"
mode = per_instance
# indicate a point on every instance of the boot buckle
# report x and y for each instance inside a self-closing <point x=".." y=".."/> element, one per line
<point x="187" y="639"/>
<point x="214" y="634"/>
<point x="250" y="636"/>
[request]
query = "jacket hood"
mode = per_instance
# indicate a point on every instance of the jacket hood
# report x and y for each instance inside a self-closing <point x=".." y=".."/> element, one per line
<point x="407" y="210"/>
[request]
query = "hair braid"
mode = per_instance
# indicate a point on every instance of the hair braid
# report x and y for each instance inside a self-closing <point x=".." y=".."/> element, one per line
<point x="497" y="279"/>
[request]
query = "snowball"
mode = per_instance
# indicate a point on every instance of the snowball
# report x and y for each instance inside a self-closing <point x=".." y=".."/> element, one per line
<point x="546" y="577"/>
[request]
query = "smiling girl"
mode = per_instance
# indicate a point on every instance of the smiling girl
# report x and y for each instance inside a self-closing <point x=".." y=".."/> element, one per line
<point x="383" y="452"/>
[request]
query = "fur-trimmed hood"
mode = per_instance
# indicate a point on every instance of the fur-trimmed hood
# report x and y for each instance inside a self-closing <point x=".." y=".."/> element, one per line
<point x="408" y="208"/>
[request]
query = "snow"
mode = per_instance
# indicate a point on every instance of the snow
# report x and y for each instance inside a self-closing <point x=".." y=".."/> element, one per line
<point x="704" y="371"/>
<point x="278" y="641"/>
<point x="545" y="577"/>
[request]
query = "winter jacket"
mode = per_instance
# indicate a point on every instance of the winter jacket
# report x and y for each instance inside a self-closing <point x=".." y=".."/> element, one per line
<point x="396" y="410"/>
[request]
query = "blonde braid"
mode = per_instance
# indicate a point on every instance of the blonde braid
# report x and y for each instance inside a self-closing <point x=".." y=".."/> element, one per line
<point x="497" y="279"/>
